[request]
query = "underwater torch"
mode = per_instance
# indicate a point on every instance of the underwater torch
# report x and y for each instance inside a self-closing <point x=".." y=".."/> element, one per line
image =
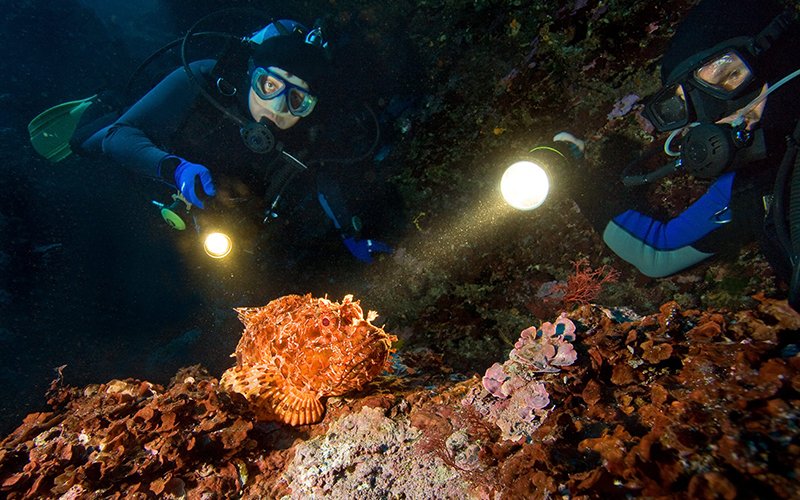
<point x="525" y="185"/>
<point x="216" y="244"/>
<point x="527" y="182"/>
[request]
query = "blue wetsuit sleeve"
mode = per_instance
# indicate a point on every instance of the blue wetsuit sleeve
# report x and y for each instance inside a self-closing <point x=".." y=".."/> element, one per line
<point x="132" y="140"/>
<point x="658" y="248"/>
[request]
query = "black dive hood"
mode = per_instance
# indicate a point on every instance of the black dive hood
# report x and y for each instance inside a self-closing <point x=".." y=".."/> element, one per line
<point x="294" y="50"/>
<point x="257" y="136"/>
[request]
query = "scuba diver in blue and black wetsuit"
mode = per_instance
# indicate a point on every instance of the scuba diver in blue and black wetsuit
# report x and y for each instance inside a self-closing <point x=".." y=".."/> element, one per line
<point x="221" y="128"/>
<point x="731" y="81"/>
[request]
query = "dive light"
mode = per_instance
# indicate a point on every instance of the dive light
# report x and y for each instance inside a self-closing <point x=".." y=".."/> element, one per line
<point x="217" y="245"/>
<point x="526" y="183"/>
<point x="171" y="213"/>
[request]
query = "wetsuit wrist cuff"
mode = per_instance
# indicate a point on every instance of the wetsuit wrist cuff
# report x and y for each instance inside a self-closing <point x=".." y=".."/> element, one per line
<point x="167" y="167"/>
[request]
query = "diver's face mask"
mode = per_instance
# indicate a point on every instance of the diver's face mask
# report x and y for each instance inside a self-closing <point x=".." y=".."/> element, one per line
<point x="719" y="101"/>
<point x="718" y="87"/>
<point x="279" y="97"/>
<point x="717" y="98"/>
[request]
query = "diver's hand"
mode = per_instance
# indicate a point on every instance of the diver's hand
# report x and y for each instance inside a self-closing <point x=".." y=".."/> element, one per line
<point x="363" y="249"/>
<point x="577" y="147"/>
<point x="187" y="174"/>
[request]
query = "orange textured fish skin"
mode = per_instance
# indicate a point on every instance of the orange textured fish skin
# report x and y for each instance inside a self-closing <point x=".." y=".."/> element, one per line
<point x="297" y="350"/>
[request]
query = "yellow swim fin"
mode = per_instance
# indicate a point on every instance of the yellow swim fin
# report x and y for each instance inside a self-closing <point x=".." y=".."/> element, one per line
<point x="52" y="130"/>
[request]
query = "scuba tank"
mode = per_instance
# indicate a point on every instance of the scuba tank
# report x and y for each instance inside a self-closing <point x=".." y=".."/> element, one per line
<point x="785" y="217"/>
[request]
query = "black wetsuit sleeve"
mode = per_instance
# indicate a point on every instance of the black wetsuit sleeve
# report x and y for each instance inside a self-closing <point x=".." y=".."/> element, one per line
<point x="136" y="139"/>
<point x="332" y="201"/>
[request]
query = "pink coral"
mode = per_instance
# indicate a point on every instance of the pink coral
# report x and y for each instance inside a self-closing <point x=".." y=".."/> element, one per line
<point x="563" y="327"/>
<point x="565" y="356"/>
<point x="623" y="106"/>
<point x="517" y="402"/>
<point x="532" y="397"/>
<point x="546" y="349"/>
<point x="519" y="415"/>
<point x="493" y="380"/>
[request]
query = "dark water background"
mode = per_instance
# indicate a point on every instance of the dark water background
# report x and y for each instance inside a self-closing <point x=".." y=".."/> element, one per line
<point x="90" y="277"/>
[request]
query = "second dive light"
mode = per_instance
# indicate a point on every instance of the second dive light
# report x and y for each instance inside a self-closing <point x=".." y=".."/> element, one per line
<point x="527" y="182"/>
<point x="171" y="213"/>
<point x="525" y="185"/>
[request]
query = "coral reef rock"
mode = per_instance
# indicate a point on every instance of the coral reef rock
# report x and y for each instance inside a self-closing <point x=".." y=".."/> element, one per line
<point x="368" y="455"/>
<point x="298" y="349"/>
<point x="680" y="403"/>
<point x="130" y="439"/>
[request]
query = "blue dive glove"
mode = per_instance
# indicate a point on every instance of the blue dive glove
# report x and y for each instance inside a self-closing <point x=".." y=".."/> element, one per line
<point x="363" y="249"/>
<point x="186" y="176"/>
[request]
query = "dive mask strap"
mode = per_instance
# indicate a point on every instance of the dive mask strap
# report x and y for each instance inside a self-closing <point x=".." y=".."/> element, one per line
<point x="777" y="27"/>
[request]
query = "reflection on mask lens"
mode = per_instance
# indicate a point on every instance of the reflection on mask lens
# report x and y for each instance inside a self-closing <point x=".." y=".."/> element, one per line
<point x="296" y="99"/>
<point x="725" y="73"/>
<point x="673" y="108"/>
<point x="269" y="86"/>
<point x="301" y="103"/>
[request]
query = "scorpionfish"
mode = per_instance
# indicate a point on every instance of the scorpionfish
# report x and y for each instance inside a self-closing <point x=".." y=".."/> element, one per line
<point x="297" y="350"/>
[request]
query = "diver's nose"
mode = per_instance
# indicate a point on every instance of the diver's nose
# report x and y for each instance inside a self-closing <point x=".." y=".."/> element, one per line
<point x="284" y="105"/>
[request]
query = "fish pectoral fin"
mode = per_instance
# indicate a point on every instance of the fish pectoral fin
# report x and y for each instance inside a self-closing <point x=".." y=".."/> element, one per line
<point x="271" y="397"/>
<point x="298" y="406"/>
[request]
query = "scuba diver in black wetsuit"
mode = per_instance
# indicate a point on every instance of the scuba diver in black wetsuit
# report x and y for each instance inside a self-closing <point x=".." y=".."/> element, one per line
<point x="731" y="85"/>
<point x="213" y="126"/>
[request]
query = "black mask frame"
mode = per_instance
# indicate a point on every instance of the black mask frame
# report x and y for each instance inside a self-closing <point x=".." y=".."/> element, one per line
<point x="667" y="111"/>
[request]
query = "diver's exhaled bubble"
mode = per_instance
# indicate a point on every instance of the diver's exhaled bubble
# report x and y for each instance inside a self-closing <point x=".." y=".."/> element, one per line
<point x="217" y="245"/>
<point x="525" y="185"/>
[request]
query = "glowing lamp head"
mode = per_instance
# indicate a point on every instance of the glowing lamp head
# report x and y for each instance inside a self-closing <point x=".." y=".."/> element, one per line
<point x="525" y="185"/>
<point x="217" y="245"/>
